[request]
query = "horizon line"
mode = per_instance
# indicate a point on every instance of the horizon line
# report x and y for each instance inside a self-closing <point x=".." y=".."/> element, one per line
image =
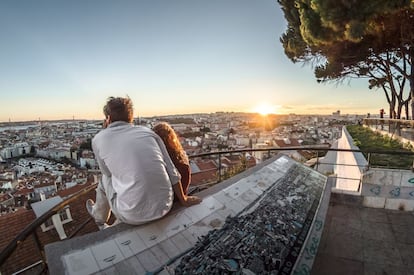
<point x="187" y="114"/>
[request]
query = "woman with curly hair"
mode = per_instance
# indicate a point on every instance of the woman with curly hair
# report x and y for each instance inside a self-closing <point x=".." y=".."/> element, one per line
<point x="179" y="158"/>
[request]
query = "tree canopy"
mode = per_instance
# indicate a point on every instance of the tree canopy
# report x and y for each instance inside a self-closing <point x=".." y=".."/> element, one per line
<point x="353" y="39"/>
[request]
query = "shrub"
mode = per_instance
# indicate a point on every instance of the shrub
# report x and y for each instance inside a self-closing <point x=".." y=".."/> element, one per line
<point x="366" y="139"/>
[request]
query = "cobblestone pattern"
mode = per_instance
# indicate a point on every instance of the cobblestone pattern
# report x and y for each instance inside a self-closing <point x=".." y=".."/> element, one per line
<point x="267" y="236"/>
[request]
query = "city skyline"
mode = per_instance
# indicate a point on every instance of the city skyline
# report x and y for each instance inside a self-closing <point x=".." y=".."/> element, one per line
<point x="62" y="60"/>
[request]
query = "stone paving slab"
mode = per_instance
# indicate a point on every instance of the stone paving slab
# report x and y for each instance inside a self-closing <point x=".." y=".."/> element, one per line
<point x="381" y="269"/>
<point x="360" y="240"/>
<point x="337" y="265"/>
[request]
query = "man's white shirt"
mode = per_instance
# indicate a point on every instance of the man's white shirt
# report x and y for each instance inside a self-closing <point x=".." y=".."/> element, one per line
<point x="136" y="163"/>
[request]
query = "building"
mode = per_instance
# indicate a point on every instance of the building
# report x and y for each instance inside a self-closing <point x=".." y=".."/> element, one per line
<point x="17" y="150"/>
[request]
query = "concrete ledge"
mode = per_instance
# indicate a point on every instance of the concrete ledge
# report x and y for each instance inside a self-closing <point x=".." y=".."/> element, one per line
<point x="374" y="202"/>
<point x="349" y="165"/>
<point x="399" y="204"/>
<point x="346" y="199"/>
<point x="345" y="192"/>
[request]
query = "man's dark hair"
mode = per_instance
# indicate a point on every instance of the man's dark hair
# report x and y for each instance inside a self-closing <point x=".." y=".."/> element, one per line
<point x="119" y="108"/>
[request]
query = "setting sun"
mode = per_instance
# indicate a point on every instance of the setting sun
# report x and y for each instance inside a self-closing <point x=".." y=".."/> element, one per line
<point x="265" y="109"/>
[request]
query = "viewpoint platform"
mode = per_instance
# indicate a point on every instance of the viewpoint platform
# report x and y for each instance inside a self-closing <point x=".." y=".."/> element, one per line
<point x="268" y="219"/>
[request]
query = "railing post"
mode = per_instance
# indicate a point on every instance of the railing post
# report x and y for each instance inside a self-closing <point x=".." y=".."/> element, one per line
<point x="317" y="160"/>
<point x="219" y="164"/>
<point x="39" y="246"/>
<point x="369" y="157"/>
<point x="268" y="154"/>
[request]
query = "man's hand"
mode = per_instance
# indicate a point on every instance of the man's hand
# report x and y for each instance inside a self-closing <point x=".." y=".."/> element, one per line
<point x="106" y="122"/>
<point x="191" y="200"/>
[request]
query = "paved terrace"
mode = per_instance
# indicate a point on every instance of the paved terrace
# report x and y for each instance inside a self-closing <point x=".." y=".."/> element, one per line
<point x="362" y="240"/>
<point x="369" y="227"/>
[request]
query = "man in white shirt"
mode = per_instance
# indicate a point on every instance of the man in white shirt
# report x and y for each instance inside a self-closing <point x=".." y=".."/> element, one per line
<point x="138" y="177"/>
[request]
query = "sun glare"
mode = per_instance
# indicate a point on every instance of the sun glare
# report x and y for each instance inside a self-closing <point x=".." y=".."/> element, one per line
<point x="265" y="109"/>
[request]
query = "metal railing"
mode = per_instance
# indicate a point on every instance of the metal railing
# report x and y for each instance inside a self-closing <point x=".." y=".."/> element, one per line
<point x="402" y="122"/>
<point x="400" y="127"/>
<point x="31" y="228"/>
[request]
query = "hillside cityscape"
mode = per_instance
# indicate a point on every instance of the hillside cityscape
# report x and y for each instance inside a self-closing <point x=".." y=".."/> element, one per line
<point x="45" y="159"/>
<point x="48" y="163"/>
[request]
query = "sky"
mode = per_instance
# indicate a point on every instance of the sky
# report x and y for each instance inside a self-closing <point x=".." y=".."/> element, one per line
<point x="63" y="59"/>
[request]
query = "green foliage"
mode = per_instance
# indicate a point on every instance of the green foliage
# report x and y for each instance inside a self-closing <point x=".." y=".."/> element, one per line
<point x="409" y="146"/>
<point x="356" y="142"/>
<point x="32" y="150"/>
<point x="235" y="169"/>
<point x="353" y="39"/>
<point x="222" y="146"/>
<point x="205" y="130"/>
<point x="370" y="140"/>
<point x="309" y="142"/>
<point x="86" y="145"/>
<point x="322" y="21"/>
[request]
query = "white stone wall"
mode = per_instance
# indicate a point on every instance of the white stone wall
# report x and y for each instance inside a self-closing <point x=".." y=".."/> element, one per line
<point x="17" y="150"/>
<point x="240" y="140"/>
<point x="350" y="165"/>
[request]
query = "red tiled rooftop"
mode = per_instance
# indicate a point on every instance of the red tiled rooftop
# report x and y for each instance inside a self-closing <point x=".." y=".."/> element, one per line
<point x="24" y="191"/>
<point x="4" y="197"/>
<point x="72" y="190"/>
<point x="27" y="253"/>
<point x="206" y="165"/>
<point x="204" y="177"/>
<point x="281" y="143"/>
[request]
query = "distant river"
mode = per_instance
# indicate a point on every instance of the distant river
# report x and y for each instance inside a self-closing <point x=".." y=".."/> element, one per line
<point x="20" y="127"/>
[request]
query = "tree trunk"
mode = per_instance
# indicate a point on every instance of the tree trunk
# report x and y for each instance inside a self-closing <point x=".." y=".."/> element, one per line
<point x="411" y="80"/>
<point x="406" y="110"/>
<point x="399" y="110"/>
<point x="412" y="95"/>
<point x="392" y="106"/>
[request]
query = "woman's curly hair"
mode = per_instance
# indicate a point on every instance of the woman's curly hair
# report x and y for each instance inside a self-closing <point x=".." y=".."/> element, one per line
<point x="171" y="141"/>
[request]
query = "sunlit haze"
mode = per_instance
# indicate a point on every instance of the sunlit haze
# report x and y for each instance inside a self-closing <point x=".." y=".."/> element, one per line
<point x="62" y="59"/>
<point x="265" y="108"/>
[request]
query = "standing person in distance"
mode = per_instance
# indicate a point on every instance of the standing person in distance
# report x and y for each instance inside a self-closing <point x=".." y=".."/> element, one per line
<point x="179" y="158"/>
<point x="382" y="112"/>
<point x="138" y="176"/>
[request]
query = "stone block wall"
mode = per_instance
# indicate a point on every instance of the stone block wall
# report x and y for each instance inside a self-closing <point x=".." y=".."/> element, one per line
<point x="388" y="188"/>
